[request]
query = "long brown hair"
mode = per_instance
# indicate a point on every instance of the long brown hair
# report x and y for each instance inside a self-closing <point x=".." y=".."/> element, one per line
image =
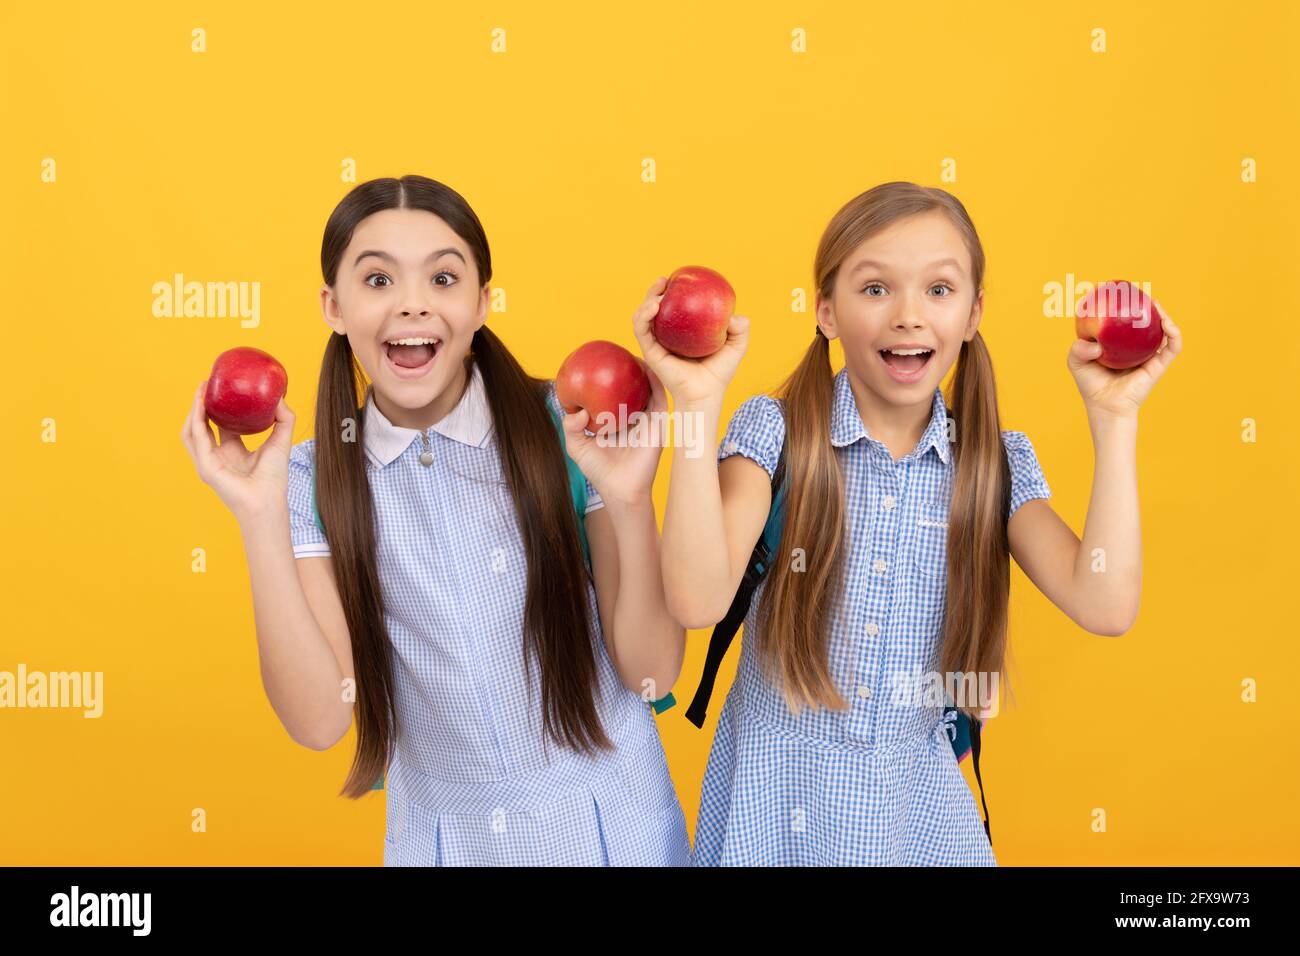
<point x="557" y="632"/>
<point x="796" y="605"/>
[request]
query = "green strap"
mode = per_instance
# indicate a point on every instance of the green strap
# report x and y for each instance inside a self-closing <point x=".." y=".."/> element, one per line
<point x="577" y="485"/>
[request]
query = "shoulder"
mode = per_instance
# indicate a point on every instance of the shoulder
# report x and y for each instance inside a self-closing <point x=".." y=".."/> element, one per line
<point x="1019" y="447"/>
<point x="1027" y="478"/>
<point x="757" y="431"/>
<point x="303" y="453"/>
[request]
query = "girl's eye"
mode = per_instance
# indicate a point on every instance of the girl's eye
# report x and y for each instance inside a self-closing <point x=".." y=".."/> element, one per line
<point x="943" y="285"/>
<point x="452" y="277"/>
<point x="873" y="285"/>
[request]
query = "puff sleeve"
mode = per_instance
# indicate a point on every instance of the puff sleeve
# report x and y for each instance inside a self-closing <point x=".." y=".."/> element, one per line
<point x="307" y="536"/>
<point x="1027" y="479"/>
<point x="757" y="431"/>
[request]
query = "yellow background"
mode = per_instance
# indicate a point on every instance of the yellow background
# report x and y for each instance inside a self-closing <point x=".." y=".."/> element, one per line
<point x="224" y="165"/>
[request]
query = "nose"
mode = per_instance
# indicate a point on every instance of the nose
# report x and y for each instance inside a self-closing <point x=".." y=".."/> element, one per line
<point x="910" y="312"/>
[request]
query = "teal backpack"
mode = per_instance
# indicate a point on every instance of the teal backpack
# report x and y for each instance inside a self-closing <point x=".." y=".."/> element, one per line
<point x="963" y="733"/>
<point x="578" y="491"/>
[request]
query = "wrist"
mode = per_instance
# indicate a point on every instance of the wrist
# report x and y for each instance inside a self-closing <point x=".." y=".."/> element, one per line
<point x="624" y="505"/>
<point x="261" y="518"/>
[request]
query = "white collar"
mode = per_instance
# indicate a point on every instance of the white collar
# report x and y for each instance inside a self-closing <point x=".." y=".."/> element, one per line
<point x="469" y="423"/>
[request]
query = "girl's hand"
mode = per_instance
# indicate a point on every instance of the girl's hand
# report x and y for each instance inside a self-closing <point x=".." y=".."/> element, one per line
<point x="690" y="381"/>
<point x="622" y="475"/>
<point x="250" y="483"/>
<point x="1117" y="393"/>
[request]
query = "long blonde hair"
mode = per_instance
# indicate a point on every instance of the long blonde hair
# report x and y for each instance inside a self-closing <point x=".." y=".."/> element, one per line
<point x="796" y="605"/>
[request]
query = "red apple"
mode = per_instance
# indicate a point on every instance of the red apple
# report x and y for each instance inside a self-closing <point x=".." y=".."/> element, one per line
<point x="694" y="312"/>
<point x="600" y="376"/>
<point x="244" y="389"/>
<point x="1124" y="320"/>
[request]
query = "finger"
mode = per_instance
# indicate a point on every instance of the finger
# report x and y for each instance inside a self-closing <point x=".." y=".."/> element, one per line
<point x="657" y="287"/>
<point x="642" y="328"/>
<point x="204" y="446"/>
<point x="231" y="438"/>
<point x="282" y="432"/>
<point x="1083" y="351"/>
<point x="575" y="435"/>
<point x="737" y="333"/>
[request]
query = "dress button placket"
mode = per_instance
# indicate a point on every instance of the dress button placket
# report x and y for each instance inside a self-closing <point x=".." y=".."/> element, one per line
<point x="426" y="456"/>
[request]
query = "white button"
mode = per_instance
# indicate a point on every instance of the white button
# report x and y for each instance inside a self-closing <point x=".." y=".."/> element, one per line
<point x="878" y="565"/>
<point x="873" y="629"/>
<point x="864" y="691"/>
<point x="731" y="447"/>
<point x="889" y="502"/>
<point x="426" y="458"/>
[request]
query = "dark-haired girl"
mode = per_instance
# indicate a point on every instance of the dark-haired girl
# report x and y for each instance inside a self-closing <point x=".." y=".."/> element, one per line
<point x="440" y="593"/>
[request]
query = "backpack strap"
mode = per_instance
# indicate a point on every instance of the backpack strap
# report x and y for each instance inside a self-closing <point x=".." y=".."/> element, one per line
<point x="577" y="485"/>
<point x="975" y="759"/>
<point x="724" y="631"/>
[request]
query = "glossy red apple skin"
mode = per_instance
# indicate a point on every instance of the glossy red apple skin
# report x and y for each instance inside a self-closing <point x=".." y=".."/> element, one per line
<point x="244" y="388"/>
<point x="1124" y="320"/>
<point x="694" y="312"/>
<point x="599" y="376"/>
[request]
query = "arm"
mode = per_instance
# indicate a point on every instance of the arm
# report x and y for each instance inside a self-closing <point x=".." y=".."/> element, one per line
<point x="1097" y="582"/>
<point x="302" y="636"/>
<point x="716" y="511"/>
<point x="303" y="641"/>
<point x="645" y="643"/>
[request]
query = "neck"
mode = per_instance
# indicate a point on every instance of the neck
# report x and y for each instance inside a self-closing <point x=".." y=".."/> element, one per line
<point x="898" y="427"/>
<point x="422" y="419"/>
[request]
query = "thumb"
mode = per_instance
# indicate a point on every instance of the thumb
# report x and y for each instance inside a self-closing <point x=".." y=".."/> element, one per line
<point x="282" y="434"/>
<point x="1083" y="351"/>
<point x="574" y="435"/>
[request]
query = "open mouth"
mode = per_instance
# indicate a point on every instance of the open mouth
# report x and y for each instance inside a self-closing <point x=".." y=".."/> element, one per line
<point x="411" y="357"/>
<point x="906" y="365"/>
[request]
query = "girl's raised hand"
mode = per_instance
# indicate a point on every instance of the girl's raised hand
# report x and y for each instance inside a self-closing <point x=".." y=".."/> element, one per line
<point x="250" y="483"/>
<point x="690" y="381"/>
<point x="1118" y="393"/>
<point x="621" y="467"/>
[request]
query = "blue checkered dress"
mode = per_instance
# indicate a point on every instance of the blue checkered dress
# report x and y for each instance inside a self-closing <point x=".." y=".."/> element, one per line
<point x="472" y="780"/>
<point x="878" y="783"/>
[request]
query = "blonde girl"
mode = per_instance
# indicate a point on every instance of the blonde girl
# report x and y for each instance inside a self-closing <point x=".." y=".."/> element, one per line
<point x="902" y="512"/>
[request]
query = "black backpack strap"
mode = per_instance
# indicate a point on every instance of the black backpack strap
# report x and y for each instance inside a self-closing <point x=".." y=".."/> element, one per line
<point x="724" y="632"/>
<point x="975" y="760"/>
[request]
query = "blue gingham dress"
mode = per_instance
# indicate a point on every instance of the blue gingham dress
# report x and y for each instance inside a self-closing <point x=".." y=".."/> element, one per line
<point x="471" y="780"/>
<point x="877" y="783"/>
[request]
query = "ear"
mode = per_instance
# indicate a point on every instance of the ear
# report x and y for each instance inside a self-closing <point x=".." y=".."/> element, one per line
<point x="826" y="318"/>
<point x="481" y="318"/>
<point x="976" y="312"/>
<point x="329" y="310"/>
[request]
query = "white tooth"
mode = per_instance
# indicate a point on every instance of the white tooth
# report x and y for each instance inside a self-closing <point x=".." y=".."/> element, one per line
<point x="412" y="342"/>
<point x="908" y="351"/>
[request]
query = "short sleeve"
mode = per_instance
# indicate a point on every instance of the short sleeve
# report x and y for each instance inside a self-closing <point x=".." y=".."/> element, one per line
<point x="1027" y="480"/>
<point x="757" y="431"/>
<point x="594" y="500"/>
<point x="307" y="536"/>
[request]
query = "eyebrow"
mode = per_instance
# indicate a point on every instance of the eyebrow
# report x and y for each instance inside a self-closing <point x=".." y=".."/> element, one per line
<point x="436" y="254"/>
<point x="865" y="263"/>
